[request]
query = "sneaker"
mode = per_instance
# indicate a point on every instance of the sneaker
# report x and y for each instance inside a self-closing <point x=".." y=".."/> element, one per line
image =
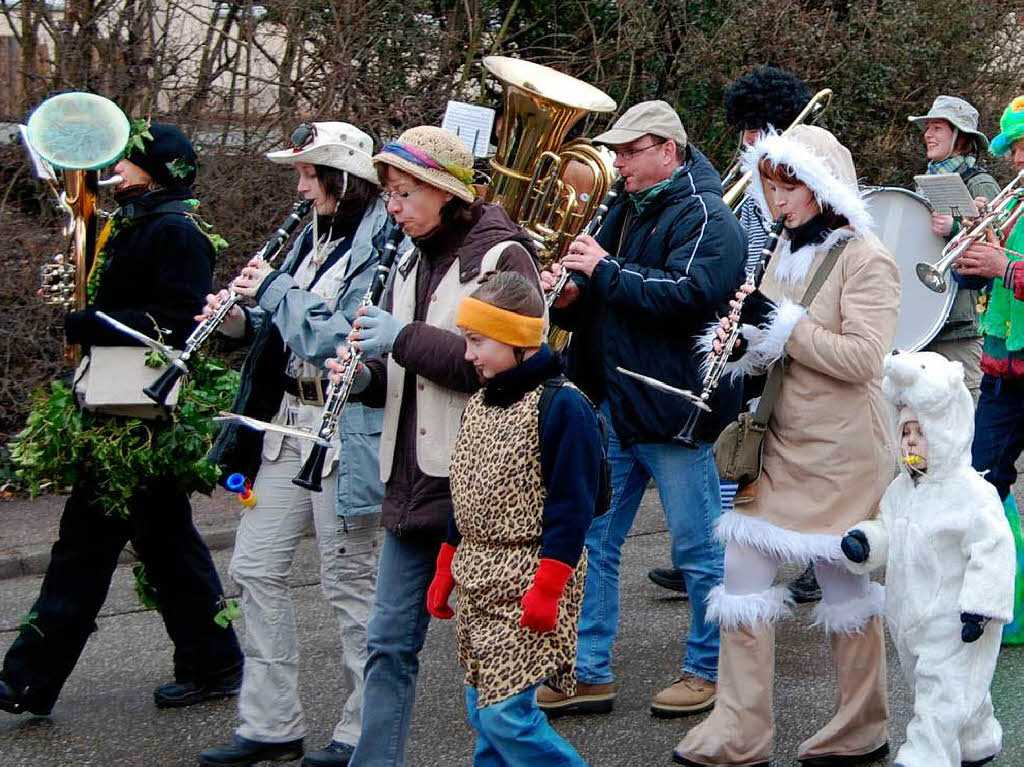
<point x="589" y="699"/>
<point x="805" y="588"/>
<point x="335" y="754"/>
<point x="668" y="578"/>
<point x="189" y="693"/>
<point x="689" y="694"/>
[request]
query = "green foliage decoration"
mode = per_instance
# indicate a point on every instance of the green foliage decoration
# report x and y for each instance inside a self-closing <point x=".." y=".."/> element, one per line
<point x="145" y="590"/>
<point x="62" y="445"/>
<point x="230" y="611"/>
<point x="138" y="130"/>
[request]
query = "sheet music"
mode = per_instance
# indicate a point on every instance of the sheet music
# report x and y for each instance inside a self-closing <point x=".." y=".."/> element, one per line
<point x="471" y="123"/>
<point x="947" y="194"/>
<point x="42" y="168"/>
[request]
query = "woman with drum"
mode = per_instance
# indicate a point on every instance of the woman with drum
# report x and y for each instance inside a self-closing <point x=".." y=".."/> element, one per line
<point x="952" y="144"/>
<point x="826" y="458"/>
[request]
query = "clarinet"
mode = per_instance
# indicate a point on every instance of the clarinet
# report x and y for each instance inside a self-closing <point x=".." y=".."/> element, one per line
<point x="338" y="394"/>
<point x="719" y="359"/>
<point x="160" y="389"/>
<point x="592" y="229"/>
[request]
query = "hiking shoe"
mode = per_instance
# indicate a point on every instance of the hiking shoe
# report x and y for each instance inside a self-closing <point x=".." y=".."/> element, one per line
<point x="689" y="694"/>
<point x="589" y="699"/>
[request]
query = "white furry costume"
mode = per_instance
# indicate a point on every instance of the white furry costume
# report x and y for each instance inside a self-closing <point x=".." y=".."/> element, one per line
<point x="948" y="550"/>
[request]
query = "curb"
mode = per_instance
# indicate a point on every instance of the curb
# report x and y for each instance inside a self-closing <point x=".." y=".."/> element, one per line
<point x="33" y="560"/>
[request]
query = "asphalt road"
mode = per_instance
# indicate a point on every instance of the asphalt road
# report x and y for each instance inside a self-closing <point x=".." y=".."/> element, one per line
<point x="106" y="715"/>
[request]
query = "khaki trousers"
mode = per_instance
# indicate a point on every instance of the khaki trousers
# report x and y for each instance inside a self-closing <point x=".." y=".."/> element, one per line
<point x="265" y="545"/>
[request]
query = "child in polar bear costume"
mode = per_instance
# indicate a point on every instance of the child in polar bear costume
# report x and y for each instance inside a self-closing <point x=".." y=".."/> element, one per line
<point x="949" y="559"/>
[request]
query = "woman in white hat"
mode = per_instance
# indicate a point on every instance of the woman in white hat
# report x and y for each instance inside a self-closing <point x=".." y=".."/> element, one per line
<point x="827" y="459"/>
<point x="304" y="309"/>
<point x="417" y="371"/>
<point x="953" y="144"/>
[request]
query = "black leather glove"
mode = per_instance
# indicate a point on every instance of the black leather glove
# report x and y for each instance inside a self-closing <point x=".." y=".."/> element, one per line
<point x="973" y="628"/>
<point x="855" y="546"/>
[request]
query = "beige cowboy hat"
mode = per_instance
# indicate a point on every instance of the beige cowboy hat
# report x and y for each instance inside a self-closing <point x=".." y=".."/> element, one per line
<point x="336" y="145"/>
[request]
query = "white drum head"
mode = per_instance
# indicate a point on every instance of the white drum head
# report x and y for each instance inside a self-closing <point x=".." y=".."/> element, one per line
<point x="902" y="222"/>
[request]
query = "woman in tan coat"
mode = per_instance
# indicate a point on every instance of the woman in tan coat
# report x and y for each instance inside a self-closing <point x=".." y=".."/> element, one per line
<point x="827" y="460"/>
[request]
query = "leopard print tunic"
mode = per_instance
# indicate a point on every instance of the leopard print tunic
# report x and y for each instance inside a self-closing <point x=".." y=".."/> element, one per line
<point x="498" y="494"/>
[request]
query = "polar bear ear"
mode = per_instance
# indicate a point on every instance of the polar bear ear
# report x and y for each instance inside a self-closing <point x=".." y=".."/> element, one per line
<point x="955" y="373"/>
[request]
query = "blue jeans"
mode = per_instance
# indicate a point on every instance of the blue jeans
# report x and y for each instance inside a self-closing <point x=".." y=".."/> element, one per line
<point x="514" y="732"/>
<point x="395" y="634"/>
<point x="999" y="431"/>
<point x="688" y="486"/>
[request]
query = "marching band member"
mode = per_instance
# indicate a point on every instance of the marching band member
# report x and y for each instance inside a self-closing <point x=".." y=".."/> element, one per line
<point x="669" y="253"/>
<point x="952" y="144"/>
<point x="826" y="460"/>
<point x="529" y="445"/>
<point x="304" y="309"/>
<point x="995" y="268"/>
<point x="418" y="373"/>
<point x="153" y="273"/>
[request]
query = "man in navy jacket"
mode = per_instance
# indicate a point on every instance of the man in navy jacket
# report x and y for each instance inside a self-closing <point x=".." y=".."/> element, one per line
<point x="669" y="254"/>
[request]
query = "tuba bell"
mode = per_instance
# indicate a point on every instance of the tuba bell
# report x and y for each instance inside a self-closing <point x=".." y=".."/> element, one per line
<point x="76" y="134"/>
<point x="552" y="188"/>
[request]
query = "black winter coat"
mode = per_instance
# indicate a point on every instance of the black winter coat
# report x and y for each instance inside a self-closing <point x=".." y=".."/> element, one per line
<point x="158" y="267"/>
<point x="645" y="306"/>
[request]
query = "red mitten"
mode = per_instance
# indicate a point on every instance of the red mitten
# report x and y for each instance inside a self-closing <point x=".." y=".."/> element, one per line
<point x="540" y="603"/>
<point x="442" y="585"/>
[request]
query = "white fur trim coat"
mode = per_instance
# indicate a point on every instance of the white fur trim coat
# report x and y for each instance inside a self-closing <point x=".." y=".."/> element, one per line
<point x="827" y="452"/>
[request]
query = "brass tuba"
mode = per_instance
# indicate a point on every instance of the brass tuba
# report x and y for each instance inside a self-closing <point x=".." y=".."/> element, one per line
<point x="736" y="190"/>
<point x="75" y="134"/>
<point x="552" y="189"/>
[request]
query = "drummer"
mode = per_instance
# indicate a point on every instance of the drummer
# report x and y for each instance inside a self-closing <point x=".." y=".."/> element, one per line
<point x="952" y="144"/>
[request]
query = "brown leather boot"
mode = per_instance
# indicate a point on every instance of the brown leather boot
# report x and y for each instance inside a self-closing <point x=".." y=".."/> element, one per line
<point x="857" y="733"/>
<point x="741" y="728"/>
<point x="589" y="699"/>
<point x="689" y="694"/>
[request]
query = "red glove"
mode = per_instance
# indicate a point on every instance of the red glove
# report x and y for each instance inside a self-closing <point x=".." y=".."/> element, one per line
<point x="540" y="603"/>
<point x="442" y="585"/>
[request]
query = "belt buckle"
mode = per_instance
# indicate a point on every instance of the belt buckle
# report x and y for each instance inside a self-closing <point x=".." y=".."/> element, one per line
<point x="311" y="391"/>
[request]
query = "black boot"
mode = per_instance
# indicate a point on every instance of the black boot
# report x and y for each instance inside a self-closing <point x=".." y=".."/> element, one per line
<point x="334" y="755"/>
<point x="242" y="752"/>
<point x="188" y="693"/>
<point x="11" y="701"/>
<point x="668" y="578"/>
<point x="805" y="588"/>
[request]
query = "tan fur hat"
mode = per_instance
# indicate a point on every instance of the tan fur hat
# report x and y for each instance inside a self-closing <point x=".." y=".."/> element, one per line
<point x="433" y="155"/>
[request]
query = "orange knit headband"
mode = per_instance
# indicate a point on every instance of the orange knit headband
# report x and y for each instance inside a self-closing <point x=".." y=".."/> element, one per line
<point x="500" y="324"/>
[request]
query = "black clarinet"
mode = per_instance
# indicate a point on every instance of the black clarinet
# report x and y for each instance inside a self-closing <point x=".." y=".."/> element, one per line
<point x="338" y="394"/>
<point x="592" y="228"/>
<point x="160" y="389"/>
<point x="719" y="359"/>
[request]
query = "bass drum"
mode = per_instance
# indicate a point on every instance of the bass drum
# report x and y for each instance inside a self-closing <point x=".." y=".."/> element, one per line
<point x="902" y="221"/>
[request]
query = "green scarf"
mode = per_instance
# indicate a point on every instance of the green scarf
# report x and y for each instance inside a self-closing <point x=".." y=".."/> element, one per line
<point x="1003" y="314"/>
<point x="643" y="199"/>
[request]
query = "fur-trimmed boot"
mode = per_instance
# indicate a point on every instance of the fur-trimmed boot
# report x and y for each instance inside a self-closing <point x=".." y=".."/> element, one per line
<point x="740" y="730"/>
<point x="857" y="733"/>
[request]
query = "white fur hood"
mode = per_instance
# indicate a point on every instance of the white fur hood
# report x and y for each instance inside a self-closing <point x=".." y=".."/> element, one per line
<point x="817" y="158"/>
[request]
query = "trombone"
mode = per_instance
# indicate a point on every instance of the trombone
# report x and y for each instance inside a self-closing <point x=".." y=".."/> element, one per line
<point x="737" y="190"/>
<point x="1000" y="214"/>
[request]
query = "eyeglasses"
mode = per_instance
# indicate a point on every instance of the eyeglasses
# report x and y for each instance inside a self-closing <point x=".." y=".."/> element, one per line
<point x="401" y="196"/>
<point x="626" y="154"/>
<point x="303" y="135"/>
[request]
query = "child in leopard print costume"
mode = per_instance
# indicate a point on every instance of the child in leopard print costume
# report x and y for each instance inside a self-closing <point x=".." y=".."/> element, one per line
<point x="524" y="494"/>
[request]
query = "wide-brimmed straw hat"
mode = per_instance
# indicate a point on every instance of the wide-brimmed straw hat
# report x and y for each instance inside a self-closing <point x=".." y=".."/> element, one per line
<point x="336" y="145"/>
<point x="959" y="113"/>
<point x="433" y="155"/>
<point x="1011" y="126"/>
